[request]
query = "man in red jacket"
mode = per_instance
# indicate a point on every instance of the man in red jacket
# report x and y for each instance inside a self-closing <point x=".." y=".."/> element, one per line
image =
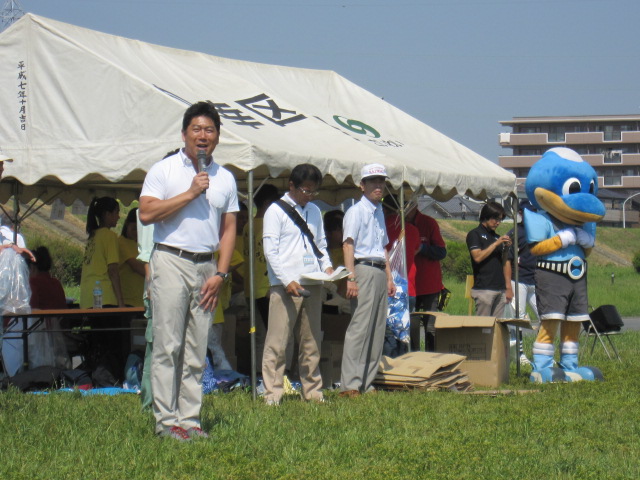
<point x="428" y="277"/>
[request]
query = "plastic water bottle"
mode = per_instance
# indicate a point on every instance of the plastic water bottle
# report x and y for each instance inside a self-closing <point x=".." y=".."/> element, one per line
<point x="97" y="295"/>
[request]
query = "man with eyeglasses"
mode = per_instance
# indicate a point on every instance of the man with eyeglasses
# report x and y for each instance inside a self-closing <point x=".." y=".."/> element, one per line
<point x="294" y="244"/>
<point x="491" y="278"/>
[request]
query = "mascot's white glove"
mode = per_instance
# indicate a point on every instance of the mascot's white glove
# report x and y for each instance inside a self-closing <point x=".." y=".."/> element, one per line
<point x="567" y="237"/>
<point x="584" y="239"/>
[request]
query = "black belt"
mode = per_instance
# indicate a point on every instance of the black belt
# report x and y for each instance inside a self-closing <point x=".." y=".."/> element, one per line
<point x="194" y="257"/>
<point x="371" y="263"/>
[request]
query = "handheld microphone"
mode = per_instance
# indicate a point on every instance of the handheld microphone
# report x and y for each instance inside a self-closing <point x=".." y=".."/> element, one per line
<point x="304" y="293"/>
<point x="202" y="163"/>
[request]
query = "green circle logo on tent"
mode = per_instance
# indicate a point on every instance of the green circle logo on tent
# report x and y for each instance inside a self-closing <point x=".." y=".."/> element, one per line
<point x="356" y="126"/>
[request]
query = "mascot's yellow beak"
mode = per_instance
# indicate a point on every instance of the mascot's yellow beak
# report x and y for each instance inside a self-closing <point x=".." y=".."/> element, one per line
<point x="556" y="207"/>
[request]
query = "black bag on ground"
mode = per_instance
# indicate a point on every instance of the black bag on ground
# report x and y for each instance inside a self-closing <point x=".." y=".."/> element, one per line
<point x="39" y="378"/>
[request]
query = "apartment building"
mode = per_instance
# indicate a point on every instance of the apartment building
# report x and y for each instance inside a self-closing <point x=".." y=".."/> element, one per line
<point x="610" y="143"/>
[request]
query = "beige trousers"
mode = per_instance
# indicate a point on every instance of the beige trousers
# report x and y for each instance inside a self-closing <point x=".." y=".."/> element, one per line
<point x="285" y="311"/>
<point x="489" y="303"/>
<point x="180" y="328"/>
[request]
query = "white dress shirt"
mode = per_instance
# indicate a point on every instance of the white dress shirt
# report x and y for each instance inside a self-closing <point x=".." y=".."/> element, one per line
<point x="364" y="224"/>
<point x="288" y="252"/>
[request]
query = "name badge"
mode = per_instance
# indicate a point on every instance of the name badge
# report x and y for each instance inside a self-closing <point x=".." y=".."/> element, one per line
<point x="308" y="259"/>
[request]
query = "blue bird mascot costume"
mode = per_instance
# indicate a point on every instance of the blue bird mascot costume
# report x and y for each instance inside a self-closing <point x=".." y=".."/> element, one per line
<point x="562" y="234"/>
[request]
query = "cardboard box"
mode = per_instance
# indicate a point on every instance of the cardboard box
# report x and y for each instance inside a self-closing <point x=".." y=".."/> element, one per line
<point x="483" y="340"/>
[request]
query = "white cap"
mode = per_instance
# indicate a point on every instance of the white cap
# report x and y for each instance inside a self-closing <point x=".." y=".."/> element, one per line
<point x="5" y="159"/>
<point x="373" y="170"/>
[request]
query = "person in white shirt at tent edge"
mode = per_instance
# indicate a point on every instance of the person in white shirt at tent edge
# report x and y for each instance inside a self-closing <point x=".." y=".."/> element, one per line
<point x="10" y="244"/>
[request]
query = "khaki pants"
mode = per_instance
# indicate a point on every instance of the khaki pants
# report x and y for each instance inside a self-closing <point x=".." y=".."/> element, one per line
<point x="180" y="328"/>
<point x="489" y="303"/>
<point x="285" y="311"/>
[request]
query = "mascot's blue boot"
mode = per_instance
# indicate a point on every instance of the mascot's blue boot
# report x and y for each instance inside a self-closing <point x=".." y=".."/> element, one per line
<point x="569" y="364"/>
<point x="543" y="369"/>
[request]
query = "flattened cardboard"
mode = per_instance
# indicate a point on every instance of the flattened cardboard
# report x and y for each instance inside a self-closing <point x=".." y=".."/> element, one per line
<point x="419" y="364"/>
<point x="455" y="321"/>
<point x="423" y="370"/>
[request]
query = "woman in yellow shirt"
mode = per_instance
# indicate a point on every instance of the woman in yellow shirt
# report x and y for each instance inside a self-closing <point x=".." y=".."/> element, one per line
<point x="101" y="256"/>
<point x="131" y="269"/>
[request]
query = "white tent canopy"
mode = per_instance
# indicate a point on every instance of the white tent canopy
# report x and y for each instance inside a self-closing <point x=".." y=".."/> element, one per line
<point x="85" y="113"/>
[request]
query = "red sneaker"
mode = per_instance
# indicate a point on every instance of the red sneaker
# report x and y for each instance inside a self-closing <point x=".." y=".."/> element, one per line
<point x="177" y="433"/>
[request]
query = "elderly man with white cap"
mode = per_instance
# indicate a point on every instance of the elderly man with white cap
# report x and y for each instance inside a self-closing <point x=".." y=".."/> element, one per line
<point x="368" y="286"/>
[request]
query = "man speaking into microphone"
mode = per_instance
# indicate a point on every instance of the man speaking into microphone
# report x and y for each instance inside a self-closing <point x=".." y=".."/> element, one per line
<point x="192" y="201"/>
<point x="294" y="244"/>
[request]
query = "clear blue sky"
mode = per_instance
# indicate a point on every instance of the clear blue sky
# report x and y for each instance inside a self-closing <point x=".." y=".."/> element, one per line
<point x="460" y="66"/>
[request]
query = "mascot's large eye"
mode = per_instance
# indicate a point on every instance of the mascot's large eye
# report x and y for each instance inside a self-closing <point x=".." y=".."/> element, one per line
<point x="592" y="187"/>
<point x="571" y="185"/>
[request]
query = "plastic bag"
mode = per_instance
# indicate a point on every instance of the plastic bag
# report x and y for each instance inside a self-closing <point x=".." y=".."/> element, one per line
<point x="398" y="319"/>
<point x="15" y="291"/>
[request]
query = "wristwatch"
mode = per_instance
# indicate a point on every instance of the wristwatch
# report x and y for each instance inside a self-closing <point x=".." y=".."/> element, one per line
<point x="352" y="279"/>
<point x="223" y="275"/>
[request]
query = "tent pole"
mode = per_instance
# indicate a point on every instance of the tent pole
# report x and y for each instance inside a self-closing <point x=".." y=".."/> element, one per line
<point x="401" y="210"/>
<point x="516" y="276"/>
<point x="16" y="214"/>
<point x="252" y="293"/>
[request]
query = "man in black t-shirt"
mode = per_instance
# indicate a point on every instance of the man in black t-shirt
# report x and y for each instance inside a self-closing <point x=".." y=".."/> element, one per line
<point x="491" y="281"/>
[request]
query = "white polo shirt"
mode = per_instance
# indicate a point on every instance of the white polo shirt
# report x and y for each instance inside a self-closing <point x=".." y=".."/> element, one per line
<point x="288" y="252"/>
<point x="364" y="224"/>
<point x="195" y="227"/>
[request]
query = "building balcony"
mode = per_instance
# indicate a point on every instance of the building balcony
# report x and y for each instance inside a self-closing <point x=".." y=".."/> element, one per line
<point x="619" y="181"/>
<point x="517" y="161"/>
<point x="569" y="138"/>
<point x="626" y="159"/>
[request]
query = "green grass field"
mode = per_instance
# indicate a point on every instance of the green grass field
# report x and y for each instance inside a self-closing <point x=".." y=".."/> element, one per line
<point x="557" y="431"/>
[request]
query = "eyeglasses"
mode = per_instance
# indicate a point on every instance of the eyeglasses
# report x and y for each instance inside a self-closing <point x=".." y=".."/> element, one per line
<point x="309" y="193"/>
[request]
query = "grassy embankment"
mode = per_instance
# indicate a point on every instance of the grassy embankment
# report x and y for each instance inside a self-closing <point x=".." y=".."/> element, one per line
<point x="621" y="290"/>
